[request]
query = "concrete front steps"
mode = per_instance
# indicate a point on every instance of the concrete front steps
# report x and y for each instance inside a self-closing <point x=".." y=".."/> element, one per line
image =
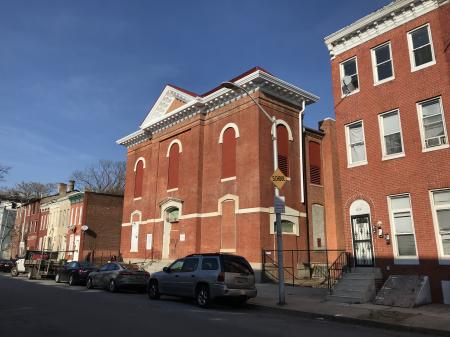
<point x="357" y="286"/>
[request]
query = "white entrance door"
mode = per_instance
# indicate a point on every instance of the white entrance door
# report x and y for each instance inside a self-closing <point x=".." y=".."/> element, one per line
<point x="76" y="248"/>
<point x="134" y="236"/>
<point x="166" y="239"/>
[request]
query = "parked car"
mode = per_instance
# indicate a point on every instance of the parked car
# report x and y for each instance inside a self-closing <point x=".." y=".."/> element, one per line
<point x="114" y="276"/>
<point x="74" y="272"/>
<point x="206" y="277"/>
<point x="6" y="265"/>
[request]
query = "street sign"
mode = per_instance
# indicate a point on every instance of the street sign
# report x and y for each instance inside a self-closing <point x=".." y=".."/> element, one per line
<point x="280" y="204"/>
<point x="278" y="179"/>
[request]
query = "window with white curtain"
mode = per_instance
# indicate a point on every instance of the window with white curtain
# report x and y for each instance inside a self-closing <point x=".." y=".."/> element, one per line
<point x="356" y="147"/>
<point x="441" y="210"/>
<point x="391" y="133"/>
<point x="431" y="116"/>
<point x="404" y="241"/>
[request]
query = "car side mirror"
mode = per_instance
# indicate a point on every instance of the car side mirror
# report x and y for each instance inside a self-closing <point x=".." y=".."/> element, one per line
<point x="166" y="270"/>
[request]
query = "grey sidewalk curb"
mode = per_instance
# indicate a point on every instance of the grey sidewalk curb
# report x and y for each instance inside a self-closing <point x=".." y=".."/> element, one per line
<point x="351" y="320"/>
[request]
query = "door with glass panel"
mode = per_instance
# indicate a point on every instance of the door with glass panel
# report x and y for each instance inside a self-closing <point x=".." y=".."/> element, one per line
<point x="362" y="241"/>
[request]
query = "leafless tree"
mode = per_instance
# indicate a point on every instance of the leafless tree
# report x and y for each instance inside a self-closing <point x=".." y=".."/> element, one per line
<point x="27" y="190"/>
<point x="3" y="172"/>
<point x="104" y="176"/>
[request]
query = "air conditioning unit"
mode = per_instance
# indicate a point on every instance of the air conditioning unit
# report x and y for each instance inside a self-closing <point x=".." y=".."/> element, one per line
<point x="435" y="141"/>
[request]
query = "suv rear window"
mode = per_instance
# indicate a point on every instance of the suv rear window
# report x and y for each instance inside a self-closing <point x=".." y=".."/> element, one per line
<point x="236" y="264"/>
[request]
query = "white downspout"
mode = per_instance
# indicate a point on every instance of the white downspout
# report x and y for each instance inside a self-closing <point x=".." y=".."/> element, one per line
<point x="300" y="135"/>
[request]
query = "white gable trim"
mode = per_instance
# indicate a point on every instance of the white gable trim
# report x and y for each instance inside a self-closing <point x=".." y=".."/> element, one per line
<point x="229" y="125"/>
<point x="175" y="141"/>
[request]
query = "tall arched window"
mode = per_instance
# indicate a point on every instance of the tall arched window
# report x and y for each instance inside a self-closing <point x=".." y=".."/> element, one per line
<point x="138" y="178"/>
<point x="283" y="149"/>
<point x="174" y="163"/>
<point x="229" y="153"/>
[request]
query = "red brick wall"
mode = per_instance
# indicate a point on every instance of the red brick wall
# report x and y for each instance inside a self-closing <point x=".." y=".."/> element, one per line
<point x="417" y="172"/>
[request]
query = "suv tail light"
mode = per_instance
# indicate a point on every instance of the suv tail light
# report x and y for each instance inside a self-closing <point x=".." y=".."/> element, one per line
<point x="221" y="277"/>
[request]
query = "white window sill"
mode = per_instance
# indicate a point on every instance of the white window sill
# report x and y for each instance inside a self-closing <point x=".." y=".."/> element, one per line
<point x="444" y="261"/>
<point x="138" y="198"/>
<point x="423" y="66"/>
<point x="376" y="83"/>
<point x="134" y="251"/>
<point x="435" y="148"/>
<point x="361" y="163"/>
<point x="228" y="179"/>
<point x="413" y="260"/>
<point x="173" y="189"/>
<point x="317" y="185"/>
<point x="349" y="94"/>
<point x="227" y="250"/>
<point x="393" y="156"/>
<point x="285" y="233"/>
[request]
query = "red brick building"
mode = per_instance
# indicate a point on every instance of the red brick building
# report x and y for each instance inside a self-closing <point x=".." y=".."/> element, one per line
<point x="391" y="86"/>
<point x="199" y="167"/>
<point x="26" y="228"/>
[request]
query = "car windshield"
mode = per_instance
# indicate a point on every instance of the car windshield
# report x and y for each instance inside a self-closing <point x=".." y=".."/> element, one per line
<point x="130" y="266"/>
<point x="236" y="264"/>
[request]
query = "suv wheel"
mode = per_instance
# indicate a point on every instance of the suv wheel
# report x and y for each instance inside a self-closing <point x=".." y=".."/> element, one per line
<point x="71" y="280"/>
<point x="112" y="286"/>
<point x="57" y="278"/>
<point x="153" y="290"/>
<point x="14" y="272"/>
<point x="89" y="284"/>
<point x="202" y="297"/>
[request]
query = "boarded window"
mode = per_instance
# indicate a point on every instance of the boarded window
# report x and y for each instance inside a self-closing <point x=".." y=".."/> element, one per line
<point x="138" y="179"/>
<point x="315" y="163"/>
<point x="283" y="149"/>
<point x="228" y="224"/>
<point x="229" y="153"/>
<point x="318" y="222"/>
<point x="174" y="164"/>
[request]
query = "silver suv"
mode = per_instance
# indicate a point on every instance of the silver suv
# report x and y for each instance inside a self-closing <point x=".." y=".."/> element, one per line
<point x="205" y="277"/>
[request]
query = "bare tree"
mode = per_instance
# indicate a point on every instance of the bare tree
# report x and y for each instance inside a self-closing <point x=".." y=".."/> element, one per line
<point x="104" y="176"/>
<point x="27" y="190"/>
<point x="3" y="171"/>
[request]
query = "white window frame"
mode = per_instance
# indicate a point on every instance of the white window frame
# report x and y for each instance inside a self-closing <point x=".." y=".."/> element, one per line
<point x="341" y="76"/>
<point x="411" y="259"/>
<point x="443" y="259"/>
<point x="422" y="131"/>
<point x="383" y="143"/>
<point x="347" y="143"/>
<point x="290" y="218"/>
<point x="376" y="81"/>
<point x="411" y="51"/>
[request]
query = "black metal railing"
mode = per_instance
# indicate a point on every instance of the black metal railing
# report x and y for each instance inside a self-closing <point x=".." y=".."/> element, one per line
<point x="340" y="266"/>
<point x="301" y="267"/>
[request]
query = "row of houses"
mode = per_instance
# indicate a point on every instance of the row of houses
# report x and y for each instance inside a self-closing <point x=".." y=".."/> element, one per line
<point x="81" y="226"/>
<point x="374" y="182"/>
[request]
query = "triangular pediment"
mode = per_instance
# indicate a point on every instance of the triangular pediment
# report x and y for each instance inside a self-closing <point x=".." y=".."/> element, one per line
<point x="170" y="99"/>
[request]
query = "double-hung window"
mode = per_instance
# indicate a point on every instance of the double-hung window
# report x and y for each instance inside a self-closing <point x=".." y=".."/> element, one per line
<point x="421" y="51"/>
<point x="440" y="202"/>
<point x="391" y="135"/>
<point x="383" y="70"/>
<point x="404" y="241"/>
<point x="349" y="77"/>
<point x="431" y="118"/>
<point x="356" y="147"/>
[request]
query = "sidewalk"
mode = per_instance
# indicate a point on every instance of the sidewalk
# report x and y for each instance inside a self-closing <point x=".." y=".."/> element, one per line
<point x="432" y="318"/>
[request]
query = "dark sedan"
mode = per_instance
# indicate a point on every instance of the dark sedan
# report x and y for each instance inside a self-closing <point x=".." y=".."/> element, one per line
<point x="74" y="272"/>
<point x="6" y="265"/>
<point x="114" y="276"/>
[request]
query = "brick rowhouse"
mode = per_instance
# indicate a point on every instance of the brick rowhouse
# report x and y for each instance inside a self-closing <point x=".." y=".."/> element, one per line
<point x="390" y="73"/>
<point x="199" y="167"/>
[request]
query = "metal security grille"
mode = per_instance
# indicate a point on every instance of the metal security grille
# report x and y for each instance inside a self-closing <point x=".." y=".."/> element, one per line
<point x="314" y="173"/>
<point x="362" y="240"/>
<point x="283" y="165"/>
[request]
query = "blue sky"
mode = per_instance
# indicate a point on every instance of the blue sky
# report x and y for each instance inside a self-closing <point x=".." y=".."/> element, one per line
<point x="77" y="75"/>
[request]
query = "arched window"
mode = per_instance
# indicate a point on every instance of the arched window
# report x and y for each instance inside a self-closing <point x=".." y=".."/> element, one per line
<point x="314" y="163"/>
<point x="283" y="149"/>
<point x="138" y="178"/>
<point x="174" y="163"/>
<point x="229" y="153"/>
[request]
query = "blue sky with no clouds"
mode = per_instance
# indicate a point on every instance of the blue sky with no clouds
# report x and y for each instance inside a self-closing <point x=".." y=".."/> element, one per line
<point x="77" y="75"/>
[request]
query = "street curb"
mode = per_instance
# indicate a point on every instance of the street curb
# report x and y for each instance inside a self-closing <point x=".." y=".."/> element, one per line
<point x="352" y="320"/>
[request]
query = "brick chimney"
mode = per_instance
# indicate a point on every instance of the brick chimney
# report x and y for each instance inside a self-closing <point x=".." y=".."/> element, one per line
<point x="71" y="186"/>
<point x="62" y="189"/>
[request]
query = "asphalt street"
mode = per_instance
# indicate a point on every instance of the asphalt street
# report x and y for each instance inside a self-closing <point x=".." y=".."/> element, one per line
<point x="44" y="308"/>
